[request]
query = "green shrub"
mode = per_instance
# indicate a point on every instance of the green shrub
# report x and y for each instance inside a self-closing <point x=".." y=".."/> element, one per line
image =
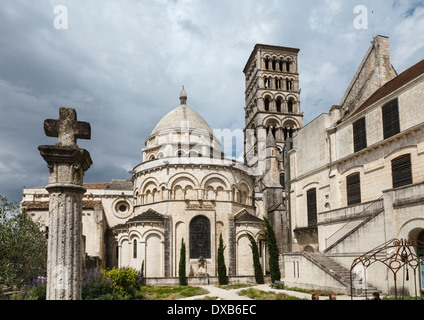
<point x="271" y="241"/>
<point x="124" y="281"/>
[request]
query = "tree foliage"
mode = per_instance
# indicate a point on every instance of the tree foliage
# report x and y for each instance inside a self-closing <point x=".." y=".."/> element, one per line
<point x="271" y="241"/>
<point x="182" y="266"/>
<point x="23" y="246"/>
<point x="259" y="276"/>
<point x="222" y="269"/>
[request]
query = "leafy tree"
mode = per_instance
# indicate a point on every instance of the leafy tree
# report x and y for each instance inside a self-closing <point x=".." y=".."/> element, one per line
<point x="23" y="246"/>
<point x="182" y="266"/>
<point x="222" y="269"/>
<point x="259" y="276"/>
<point x="271" y="241"/>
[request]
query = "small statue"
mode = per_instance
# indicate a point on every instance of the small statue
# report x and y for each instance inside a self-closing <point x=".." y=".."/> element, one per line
<point x="201" y="266"/>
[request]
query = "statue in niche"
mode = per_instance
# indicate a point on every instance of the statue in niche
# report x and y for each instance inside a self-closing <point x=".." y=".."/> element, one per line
<point x="201" y="266"/>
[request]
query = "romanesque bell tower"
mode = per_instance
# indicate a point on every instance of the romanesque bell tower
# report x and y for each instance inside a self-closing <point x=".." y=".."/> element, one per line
<point x="272" y="115"/>
<point x="272" y="97"/>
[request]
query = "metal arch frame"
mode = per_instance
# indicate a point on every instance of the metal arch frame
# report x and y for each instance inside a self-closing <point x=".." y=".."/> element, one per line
<point x="399" y="253"/>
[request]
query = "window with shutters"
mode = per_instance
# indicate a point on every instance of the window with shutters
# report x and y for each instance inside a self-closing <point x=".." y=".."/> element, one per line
<point x="312" y="207"/>
<point x="391" y="125"/>
<point x="353" y="186"/>
<point x="402" y="171"/>
<point x="359" y="135"/>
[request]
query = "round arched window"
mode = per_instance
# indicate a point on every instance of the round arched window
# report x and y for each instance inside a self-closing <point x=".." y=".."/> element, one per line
<point x="200" y="238"/>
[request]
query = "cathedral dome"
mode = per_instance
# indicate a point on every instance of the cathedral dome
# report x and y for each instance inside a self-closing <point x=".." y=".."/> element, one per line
<point x="182" y="118"/>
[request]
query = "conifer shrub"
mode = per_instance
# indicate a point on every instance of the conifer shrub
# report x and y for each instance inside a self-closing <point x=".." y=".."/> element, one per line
<point x="271" y="241"/>
<point x="259" y="276"/>
<point x="182" y="278"/>
<point x="222" y="269"/>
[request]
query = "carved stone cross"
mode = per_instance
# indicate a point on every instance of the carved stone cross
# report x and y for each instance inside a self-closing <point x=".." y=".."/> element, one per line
<point x="67" y="128"/>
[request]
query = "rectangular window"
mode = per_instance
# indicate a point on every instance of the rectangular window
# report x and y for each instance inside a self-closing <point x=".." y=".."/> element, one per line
<point x="353" y="186"/>
<point x="359" y="135"/>
<point x="312" y="207"/>
<point x="402" y="171"/>
<point x="391" y="125"/>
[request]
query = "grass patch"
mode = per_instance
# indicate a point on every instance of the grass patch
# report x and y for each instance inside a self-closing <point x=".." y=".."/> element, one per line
<point x="234" y="286"/>
<point x="256" y="294"/>
<point x="168" y="292"/>
<point x="208" y="298"/>
<point x="316" y="291"/>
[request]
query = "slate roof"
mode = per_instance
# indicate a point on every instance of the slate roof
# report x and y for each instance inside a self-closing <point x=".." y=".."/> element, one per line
<point x="247" y="217"/>
<point x="149" y="215"/>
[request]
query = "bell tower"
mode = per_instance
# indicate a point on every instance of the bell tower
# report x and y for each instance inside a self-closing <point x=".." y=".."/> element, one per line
<point x="272" y="98"/>
<point x="272" y="115"/>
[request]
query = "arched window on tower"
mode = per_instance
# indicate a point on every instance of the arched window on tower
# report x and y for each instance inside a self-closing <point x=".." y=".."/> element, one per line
<point x="289" y="84"/>
<point x="267" y="103"/>
<point x="290" y="105"/>
<point x="288" y="63"/>
<point x="278" y="84"/>
<point x="274" y="64"/>
<point x="278" y="104"/>
<point x="267" y="63"/>
<point x="280" y="63"/>
<point x="266" y="82"/>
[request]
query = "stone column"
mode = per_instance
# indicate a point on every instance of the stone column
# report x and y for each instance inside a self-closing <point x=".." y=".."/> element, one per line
<point x="67" y="164"/>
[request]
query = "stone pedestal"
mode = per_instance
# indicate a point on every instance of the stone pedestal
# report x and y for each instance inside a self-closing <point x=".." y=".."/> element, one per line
<point x="64" y="264"/>
<point x="202" y="279"/>
<point x="67" y="164"/>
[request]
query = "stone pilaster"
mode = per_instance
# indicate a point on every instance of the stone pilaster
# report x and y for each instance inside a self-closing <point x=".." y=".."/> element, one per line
<point x="231" y="247"/>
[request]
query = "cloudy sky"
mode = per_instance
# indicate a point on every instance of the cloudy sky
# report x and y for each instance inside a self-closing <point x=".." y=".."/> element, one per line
<point x="121" y="65"/>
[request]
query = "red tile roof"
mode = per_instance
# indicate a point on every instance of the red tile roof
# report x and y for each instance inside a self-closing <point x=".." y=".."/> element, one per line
<point x="38" y="205"/>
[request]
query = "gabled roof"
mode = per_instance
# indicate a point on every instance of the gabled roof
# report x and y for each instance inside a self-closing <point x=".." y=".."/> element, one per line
<point x="149" y="215"/>
<point x="404" y="78"/>
<point x="243" y="216"/>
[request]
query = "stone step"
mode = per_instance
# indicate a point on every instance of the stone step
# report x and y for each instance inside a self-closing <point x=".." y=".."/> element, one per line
<point x="340" y="272"/>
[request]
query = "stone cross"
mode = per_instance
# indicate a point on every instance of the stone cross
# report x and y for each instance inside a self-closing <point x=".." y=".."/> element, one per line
<point x="67" y="164"/>
<point x="67" y="128"/>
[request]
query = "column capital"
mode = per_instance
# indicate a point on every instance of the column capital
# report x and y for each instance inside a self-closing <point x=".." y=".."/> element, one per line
<point x="66" y="164"/>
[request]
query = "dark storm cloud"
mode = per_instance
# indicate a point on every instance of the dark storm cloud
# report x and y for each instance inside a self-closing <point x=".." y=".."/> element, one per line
<point x="121" y="64"/>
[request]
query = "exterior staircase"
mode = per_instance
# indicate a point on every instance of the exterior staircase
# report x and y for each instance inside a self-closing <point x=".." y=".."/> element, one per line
<point x="339" y="273"/>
